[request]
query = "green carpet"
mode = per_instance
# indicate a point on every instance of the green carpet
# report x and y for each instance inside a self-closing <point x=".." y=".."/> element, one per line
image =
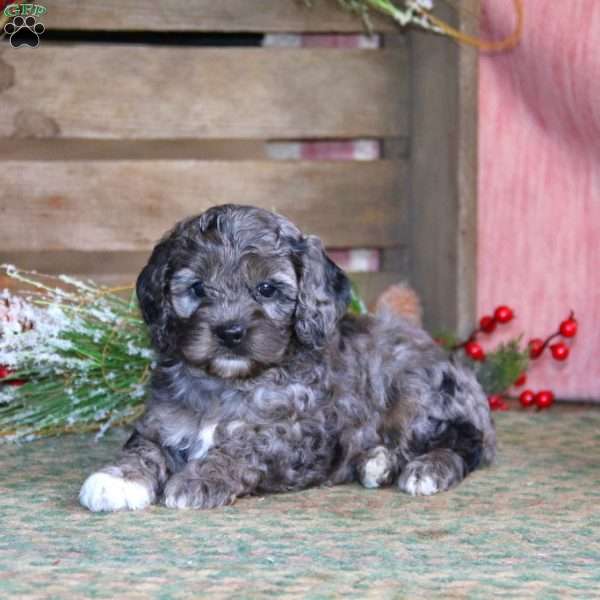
<point x="527" y="527"/>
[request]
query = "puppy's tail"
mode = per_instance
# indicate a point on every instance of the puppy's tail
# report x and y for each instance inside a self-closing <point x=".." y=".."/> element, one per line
<point x="401" y="300"/>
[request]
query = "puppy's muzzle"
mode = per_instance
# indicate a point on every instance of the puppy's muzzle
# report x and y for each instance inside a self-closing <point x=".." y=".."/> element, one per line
<point x="231" y="334"/>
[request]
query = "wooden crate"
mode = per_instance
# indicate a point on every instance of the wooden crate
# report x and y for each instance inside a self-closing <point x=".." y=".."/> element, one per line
<point x="105" y="145"/>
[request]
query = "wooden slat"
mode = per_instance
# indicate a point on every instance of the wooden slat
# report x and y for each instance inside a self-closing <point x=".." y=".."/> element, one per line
<point x="88" y="149"/>
<point x="443" y="175"/>
<point x="99" y="265"/>
<point x="127" y="205"/>
<point x="135" y="92"/>
<point x="206" y="15"/>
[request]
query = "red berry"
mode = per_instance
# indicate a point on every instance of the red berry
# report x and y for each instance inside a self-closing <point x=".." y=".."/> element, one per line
<point x="527" y="398"/>
<point x="487" y="324"/>
<point x="544" y="399"/>
<point x="568" y="328"/>
<point x="536" y="347"/>
<point x="496" y="402"/>
<point x="474" y="351"/>
<point x="16" y="382"/>
<point x="521" y="379"/>
<point x="4" y="371"/>
<point x="503" y="314"/>
<point x="560" y="351"/>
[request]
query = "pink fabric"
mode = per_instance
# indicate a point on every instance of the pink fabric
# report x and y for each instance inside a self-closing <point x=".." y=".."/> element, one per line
<point x="539" y="182"/>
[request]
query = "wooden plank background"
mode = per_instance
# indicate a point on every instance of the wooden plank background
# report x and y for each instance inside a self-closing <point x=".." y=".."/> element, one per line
<point x="61" y="149"/>
<point x="208" y="15"/>
<point x="104" y="146"/>
<point x="128" y="205"/>
<point x="135" y="92"/>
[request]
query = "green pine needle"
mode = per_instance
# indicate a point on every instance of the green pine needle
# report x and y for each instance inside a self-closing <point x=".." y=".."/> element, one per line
<point x="502" y="367"/>
<point x="357" y="306"/>
<point x="447" y="340"/>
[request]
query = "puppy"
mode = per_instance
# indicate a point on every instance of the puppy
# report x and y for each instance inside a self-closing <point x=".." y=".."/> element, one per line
<point x="264" y="383"/>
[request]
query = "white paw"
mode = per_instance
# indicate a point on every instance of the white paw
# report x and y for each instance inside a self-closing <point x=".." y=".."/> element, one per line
<point x="103" y="491"/>
<point x="419" y="485"/>
<point x="376" y="470"/>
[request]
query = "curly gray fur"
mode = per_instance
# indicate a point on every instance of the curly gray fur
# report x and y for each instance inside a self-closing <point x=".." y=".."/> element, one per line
<point x="265" y="384"/>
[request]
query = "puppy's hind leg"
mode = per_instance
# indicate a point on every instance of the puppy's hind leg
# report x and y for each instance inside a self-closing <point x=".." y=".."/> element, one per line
<point x="449" y="457"/>
<point x="433" y="472"/>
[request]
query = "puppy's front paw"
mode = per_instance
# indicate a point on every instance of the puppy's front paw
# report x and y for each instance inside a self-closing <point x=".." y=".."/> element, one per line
<point x="108" y="490"/>
<point x="182" y="491"/>
<point x="376" y="468"/>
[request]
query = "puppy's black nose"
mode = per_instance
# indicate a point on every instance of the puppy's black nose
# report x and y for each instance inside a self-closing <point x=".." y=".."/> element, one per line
<point x="231" y="334"/>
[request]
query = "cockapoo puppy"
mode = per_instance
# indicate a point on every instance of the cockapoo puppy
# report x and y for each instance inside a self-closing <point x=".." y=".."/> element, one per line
<point x="264" y="383"/>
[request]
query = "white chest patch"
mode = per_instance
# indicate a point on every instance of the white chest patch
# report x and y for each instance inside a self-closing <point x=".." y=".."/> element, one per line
<point x="204" y="442"/>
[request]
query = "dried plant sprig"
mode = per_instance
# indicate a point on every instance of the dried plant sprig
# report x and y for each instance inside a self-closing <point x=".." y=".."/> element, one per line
<point x="412" y="12"/>
<point x="80" y="353"/>
<point x="419" y="13"/>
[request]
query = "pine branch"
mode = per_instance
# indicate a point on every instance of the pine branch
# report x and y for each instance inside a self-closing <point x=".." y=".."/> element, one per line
<point x="501" y="368"/>
<point x="81" y="363"/>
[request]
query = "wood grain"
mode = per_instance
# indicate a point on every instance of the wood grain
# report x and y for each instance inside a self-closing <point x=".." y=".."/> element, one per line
<point x="443" y="176"/>
<point x="208" y="15"/>
<point x="133" y="92"/>
<point x="88" y="149"/>
<point x="128" y="205"/>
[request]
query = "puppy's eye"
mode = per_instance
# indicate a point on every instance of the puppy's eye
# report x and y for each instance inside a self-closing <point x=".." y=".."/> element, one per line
<point x="198" y="289"/>
<point x="266" y="289"/>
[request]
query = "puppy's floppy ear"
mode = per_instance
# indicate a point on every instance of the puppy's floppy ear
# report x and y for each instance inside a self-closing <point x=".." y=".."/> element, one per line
<point x="323" y="294"/>
<point x="151" y="292"/>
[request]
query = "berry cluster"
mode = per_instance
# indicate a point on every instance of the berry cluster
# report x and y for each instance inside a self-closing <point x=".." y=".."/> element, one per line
<point x="560" y="352"/>
<point x="487" y="324"/>
<point x="536" y="347"/>
<point x="543" y="399"/>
